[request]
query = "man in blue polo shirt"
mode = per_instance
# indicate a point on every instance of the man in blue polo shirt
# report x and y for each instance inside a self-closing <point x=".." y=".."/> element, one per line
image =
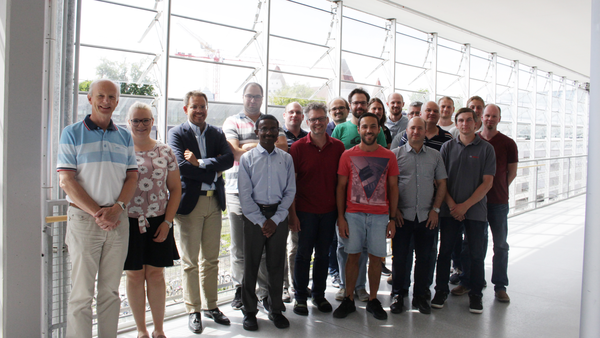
<point x="98" y="171"/>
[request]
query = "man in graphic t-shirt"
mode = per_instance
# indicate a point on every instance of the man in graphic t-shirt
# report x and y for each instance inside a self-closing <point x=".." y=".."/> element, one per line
<point x="367" y="187"/>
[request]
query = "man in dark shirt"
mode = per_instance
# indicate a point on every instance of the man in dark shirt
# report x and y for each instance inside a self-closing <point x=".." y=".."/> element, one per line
<point x="292" y="118"/>
<point x="471" y="165"/>
<point x="435" y="136"/>
<point x="497" y="198"/>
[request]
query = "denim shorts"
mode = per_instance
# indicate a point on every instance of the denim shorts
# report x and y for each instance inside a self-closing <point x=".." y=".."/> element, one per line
<point x="366" y="230"/>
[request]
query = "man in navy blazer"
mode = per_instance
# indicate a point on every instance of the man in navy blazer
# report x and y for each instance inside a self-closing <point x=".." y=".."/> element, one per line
<point x="203" y="154"/>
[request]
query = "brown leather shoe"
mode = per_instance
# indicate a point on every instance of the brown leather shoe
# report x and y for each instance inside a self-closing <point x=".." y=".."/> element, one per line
<point x="460" y="290"/>
<point x="502" y="296"/>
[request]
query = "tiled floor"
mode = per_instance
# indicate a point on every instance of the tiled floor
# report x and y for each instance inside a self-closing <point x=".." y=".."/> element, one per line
<point x="546" y="250"/>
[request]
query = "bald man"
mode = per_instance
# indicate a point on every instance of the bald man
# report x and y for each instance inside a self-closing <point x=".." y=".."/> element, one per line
<point x="292" y="118"/>
<point x="396" y="122"/>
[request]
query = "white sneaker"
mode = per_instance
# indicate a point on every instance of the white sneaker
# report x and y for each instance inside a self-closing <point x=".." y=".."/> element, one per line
<point x="340" y="294"/>
<point x="362" y="295"/>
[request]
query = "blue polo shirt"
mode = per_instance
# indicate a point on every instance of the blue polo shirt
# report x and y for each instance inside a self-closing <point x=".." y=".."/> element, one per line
<point x="100" y="158"/>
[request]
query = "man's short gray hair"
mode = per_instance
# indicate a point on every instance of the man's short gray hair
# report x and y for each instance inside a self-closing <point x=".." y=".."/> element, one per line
<point x="315" y="106"/>
<point x="417" y="104"/>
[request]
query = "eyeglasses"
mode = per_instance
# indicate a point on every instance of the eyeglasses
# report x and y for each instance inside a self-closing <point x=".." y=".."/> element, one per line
<point x="145" y="122"/>
<point x="359" y="103"/>
<point x="317" y="119"/>
<point x="267" y="130"/>
<point x="253" y="97"/>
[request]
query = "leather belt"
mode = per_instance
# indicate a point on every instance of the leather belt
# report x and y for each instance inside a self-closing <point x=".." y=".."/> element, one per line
<point x="75" y="206"/>
<point x="268" y="207"/>
<point x="206" y="193"/>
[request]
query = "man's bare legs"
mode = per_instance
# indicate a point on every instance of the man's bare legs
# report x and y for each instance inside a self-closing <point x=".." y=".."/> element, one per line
<point x="352" y="274"/>
<point x="374" y="275"/>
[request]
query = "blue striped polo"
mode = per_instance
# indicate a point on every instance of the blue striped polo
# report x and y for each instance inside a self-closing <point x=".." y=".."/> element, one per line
<point x="100" y="158"/>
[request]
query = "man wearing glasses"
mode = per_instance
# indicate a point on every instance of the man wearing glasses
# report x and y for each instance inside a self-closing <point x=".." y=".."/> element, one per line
<point x="338" y="109"/>
<point x="202" y="153"/>
<point x="314" y="213"/>
<point x="347" y="132"/>
<point x="239" y="131"/>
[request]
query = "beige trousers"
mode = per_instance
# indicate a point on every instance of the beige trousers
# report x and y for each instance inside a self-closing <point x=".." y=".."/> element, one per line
<point x="200" y="241"/>
<point x="94" y="251"/>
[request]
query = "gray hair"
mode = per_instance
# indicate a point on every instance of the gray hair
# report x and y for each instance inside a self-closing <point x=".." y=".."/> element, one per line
<point x="417" y="104"/>
<point x="315" y="106"/>
<point x="138" y="105"/>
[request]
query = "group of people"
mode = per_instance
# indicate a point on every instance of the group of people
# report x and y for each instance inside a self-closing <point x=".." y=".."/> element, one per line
<point x="334" y="193"/>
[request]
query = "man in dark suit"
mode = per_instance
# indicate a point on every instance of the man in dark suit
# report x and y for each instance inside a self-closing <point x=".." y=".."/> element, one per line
<point x="203" y="154"/>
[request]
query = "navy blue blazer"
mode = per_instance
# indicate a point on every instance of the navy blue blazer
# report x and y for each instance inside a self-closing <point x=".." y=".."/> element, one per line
<point x="219" y="158"/>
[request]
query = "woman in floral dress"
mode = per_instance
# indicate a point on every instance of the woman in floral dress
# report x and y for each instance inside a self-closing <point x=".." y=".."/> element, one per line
<point x="151" y="211"/>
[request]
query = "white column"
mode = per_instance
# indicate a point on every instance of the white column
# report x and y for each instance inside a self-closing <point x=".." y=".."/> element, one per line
<point x="22" y="54"/>
<point x="264" y="38"/>
<point x="337" y="49"/>
<point x="392" y="57"/>
<point x="590" y="293"/>
<point x="163" y="101"/>
<point x="434" y="50"/>
<point x="468" y="72"/>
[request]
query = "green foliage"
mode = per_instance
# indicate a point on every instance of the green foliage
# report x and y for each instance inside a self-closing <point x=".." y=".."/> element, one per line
<point x="295" y="93"/>
<point x="85" y="86"/>
<point x="124" y="73"/>
<point x="422" y="95"/>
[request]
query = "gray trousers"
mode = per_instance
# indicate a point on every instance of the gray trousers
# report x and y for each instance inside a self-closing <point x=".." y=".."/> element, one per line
<point x="255" y="243"/>
<point x="236" y="226"/>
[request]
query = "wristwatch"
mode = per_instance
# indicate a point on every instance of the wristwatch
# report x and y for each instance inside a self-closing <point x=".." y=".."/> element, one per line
<point x="169" y="223"/>
<point x="395" y="219"/>
<point x="437" y="210"/>
<point x="121" y="204"/>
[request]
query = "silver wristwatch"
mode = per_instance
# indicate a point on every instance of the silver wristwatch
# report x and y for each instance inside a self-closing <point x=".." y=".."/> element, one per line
<point x="121" y="204"/>
<point x="437" y="210"/>
<point x="169" y="223"/>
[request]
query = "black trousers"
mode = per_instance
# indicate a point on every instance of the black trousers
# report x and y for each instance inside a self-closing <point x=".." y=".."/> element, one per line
<point x="254" y="244"/>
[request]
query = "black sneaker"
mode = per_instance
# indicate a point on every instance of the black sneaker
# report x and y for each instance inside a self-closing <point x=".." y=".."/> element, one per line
<point x="346" y="307"/>
<point x="422" y="304"/>
<point x="249" y="322"/>
<point x="384" y="270"/>
<point x="397" y="305"/>
<point x="439" y="299"/>
<point x="300" y="308"/>
<point x="475" y="305"/>
<point x="374" y="307"/>
<point x="279" y="320"/>
<point x="322" y="304"/>
<point x="236" y="303"/>
<point x="455" y="277"/>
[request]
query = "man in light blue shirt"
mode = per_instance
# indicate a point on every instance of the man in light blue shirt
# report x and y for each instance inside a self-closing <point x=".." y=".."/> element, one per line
<point x="267" y="187"/>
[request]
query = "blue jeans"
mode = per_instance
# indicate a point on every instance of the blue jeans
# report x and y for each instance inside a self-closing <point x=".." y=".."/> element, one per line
<point x="498" y="221"/>
<point x="333" y="263"/>
<point x="474" y="230"/>
<point x="316" y="232"/>
<point x="423" y="241"/>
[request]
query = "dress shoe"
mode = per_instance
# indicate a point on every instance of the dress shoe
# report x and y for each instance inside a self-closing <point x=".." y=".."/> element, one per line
<point x="218" y="316"/>
<point x="249" y="323"/>
<point x="279" y="320"/>
<point x="397" y="305"/>
<point x="195" y="322"/>
<point x="236" y="303"/>
<point x="422" y="304"/>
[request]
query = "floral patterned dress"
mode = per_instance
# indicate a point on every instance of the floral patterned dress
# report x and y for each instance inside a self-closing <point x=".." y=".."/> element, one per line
<point x="151" y="194"/>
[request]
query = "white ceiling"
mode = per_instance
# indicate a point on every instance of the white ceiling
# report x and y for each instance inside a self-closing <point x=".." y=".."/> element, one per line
<point x="553" y="35"/>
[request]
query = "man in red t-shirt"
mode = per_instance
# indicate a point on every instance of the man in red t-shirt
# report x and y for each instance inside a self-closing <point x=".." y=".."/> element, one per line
<point x="367" y="190"/>
<point x="497" y="198"/>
